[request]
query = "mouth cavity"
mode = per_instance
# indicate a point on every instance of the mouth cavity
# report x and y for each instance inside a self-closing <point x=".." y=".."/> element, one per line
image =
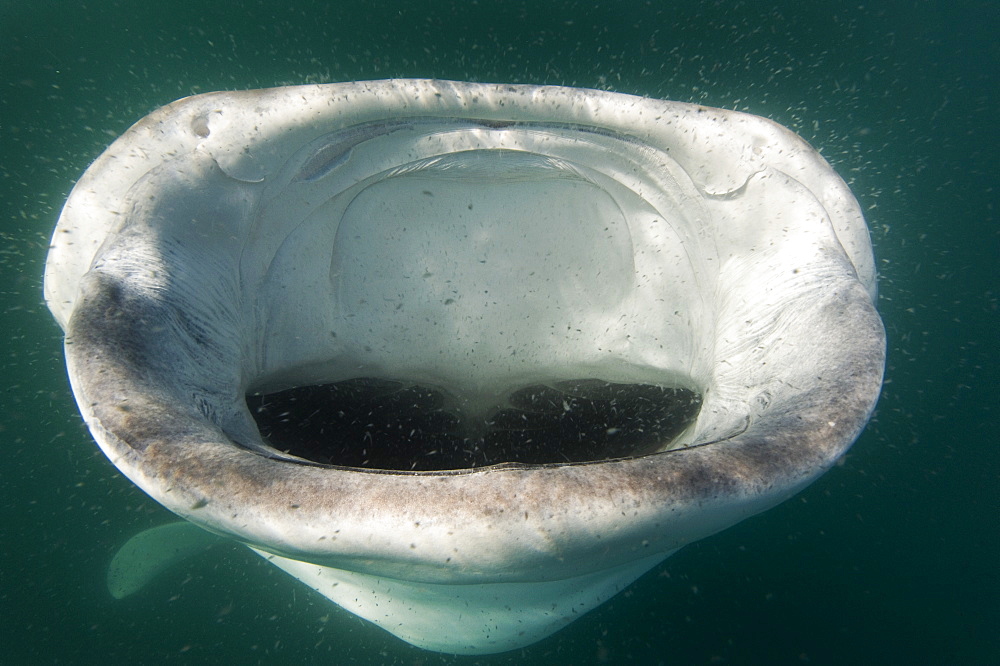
<point x="395" y="425"/>
<point x="483" y="305"/>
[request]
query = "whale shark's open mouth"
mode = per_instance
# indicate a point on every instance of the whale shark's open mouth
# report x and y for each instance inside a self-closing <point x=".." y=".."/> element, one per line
<point x="507" y="276"/>
<point x="391" y="425"/>
<point x="467" y="359"/>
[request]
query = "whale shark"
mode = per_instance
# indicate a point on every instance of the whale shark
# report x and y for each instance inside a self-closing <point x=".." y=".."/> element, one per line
<point x="466" y="359"/>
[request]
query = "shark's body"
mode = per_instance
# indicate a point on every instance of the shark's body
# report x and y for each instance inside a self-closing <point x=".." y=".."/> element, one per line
<point x="493" y="243"/>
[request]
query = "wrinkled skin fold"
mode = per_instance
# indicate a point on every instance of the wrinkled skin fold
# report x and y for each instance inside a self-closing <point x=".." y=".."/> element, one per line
<point x="477" y="239"/>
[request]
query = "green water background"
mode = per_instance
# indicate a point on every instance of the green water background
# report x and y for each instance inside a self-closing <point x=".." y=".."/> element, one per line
<point x="891" y="558"/>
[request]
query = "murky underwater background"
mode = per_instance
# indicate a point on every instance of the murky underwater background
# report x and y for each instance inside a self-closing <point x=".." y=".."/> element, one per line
<point x="890" y="558"/>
